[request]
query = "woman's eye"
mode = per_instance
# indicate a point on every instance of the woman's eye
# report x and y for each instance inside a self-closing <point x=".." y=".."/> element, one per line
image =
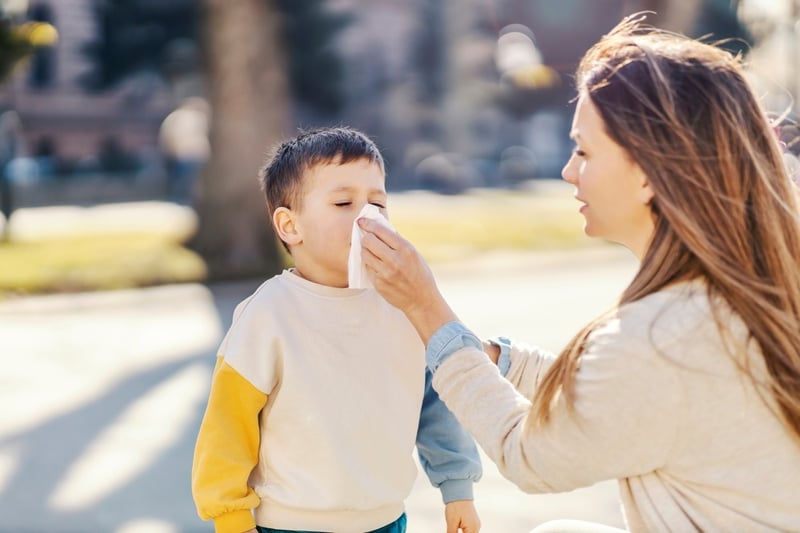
<point x="577" y="151"/>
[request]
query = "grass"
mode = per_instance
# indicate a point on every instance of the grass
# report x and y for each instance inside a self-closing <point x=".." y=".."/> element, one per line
<point x="95" y="262"/>
<point x="450" y="228"/>
<point x="104" y="254"/>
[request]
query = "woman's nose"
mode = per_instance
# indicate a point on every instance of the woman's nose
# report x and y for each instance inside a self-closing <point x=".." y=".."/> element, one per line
<point x="568" y="172"/>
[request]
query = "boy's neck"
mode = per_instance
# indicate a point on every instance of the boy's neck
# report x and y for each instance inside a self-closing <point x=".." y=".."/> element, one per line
<point x="314" y="279"/>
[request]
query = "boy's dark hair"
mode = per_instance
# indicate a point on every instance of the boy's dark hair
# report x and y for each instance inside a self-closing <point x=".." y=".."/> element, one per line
<point x="282" y="175"/>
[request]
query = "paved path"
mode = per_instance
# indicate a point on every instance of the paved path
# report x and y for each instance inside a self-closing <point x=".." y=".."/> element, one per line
<point x="101" y="394"/>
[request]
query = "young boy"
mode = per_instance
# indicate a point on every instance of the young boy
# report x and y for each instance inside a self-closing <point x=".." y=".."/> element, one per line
<point x="316" y="404"/>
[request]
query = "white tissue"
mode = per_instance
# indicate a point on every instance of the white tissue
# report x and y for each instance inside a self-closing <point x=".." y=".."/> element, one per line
<point x="356" y="273"/>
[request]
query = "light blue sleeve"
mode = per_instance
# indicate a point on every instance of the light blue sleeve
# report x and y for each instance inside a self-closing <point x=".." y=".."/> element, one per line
<point x="453" y="336"/>
<point x="447" y="453"/>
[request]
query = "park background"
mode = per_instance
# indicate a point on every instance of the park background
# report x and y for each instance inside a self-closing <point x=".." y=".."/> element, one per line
<point x="125" y="244"/>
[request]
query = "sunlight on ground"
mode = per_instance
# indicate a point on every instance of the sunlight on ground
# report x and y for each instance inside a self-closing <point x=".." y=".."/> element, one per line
<point x="163" y="218"/>
<point x="147" y="526"/>
<point x="9" y="457"/>
<point x="49" y="385"/>
<point x="129" y="445"/>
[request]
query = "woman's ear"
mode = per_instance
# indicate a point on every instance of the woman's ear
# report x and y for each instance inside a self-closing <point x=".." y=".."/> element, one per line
<point x="646" y="194"/>
<point x="283" y="220"/>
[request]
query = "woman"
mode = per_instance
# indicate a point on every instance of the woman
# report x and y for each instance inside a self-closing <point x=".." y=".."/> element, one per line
<point x="688" y="391"/>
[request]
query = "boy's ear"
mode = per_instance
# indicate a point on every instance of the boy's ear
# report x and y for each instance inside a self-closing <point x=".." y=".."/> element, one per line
<point x="283" y="220"/>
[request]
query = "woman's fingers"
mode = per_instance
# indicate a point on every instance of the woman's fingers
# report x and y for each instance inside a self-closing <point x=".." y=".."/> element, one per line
<point x="403" y="278"/>
<point x="388" y="237"/>
<point x="392" y="261"/>
<point x="384" y="252"/>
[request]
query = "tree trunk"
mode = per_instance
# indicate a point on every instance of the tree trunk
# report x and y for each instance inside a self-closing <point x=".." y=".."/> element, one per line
<point x="249" y="100"/>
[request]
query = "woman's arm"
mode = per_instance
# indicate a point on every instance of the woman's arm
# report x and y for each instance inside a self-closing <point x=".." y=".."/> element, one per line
<point x="624" y="421"/>
<point x="628" y="397"/>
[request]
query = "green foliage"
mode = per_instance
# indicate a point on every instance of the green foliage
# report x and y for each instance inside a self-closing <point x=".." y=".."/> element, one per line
<point x="15" y="45"/>
<point x="136" y="35"/>
<point x="719" y="20"/>
<point x="315" y="69"/>
<point x="429" y="51"/>
<point x="443" y="228"/>
<point x="95" y="262"/>
<point x="163" y="37"/>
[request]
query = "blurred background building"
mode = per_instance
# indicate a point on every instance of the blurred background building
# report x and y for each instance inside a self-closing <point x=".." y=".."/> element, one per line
<point x="457" y="93"/>
<point x="67" y="130"/>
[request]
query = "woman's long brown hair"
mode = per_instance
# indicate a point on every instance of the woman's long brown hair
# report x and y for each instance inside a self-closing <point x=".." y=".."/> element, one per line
<point x="724" y="206"/>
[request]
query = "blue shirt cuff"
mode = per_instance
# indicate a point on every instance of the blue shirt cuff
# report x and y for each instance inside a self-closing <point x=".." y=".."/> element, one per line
<point x="504" y="361"/>
<point x="447" y="340"/>
<point x="456" y="489"/>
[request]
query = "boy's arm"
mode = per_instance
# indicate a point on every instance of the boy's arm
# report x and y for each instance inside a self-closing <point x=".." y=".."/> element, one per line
<point x="227" y="450"/>
<point x="446" y="451"/>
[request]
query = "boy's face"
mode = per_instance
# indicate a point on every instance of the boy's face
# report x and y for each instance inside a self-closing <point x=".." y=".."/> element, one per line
<point x="333" y="195"/>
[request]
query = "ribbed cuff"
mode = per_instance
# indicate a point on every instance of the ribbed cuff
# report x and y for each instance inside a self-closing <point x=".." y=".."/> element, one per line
<point x="456" y="489"/>
<point x="504" y="361"/>
<point x="447" y="340"/>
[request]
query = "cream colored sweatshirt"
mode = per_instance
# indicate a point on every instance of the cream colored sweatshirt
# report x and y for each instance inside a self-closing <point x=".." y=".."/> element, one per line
<point x="318" y="399"/>
<point x="660" y="405"/>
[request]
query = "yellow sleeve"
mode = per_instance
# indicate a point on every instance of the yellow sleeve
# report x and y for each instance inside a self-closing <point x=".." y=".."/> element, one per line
<point x="227" y="450"/>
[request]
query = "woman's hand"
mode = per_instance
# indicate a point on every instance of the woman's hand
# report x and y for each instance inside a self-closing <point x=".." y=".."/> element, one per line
<point x="403" y="278"/>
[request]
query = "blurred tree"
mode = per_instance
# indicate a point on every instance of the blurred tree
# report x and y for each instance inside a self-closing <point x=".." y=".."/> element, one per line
<point x="720" y="21"/>
<point x="717" y="19"/>
<point x="14" y="46"/>
<point x="586" y="20"/>
<point x="20" y="39"/>
<point x="316" y="71"/>
<point x="429" y="51"/>
<point x="136" y="35"/>
<point x="241" y="47"/>
<point x="428" y="55"/>
<point x="248" y="93"/>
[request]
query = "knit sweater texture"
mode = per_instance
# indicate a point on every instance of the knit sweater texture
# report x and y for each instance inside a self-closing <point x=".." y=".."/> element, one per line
<point x="316" y="405"/>
<point x="661" y="404"/>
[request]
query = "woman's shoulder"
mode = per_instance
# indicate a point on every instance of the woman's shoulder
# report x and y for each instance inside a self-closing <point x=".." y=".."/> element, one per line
<point x="680" y="313"/>
<point x="681" y="301"/>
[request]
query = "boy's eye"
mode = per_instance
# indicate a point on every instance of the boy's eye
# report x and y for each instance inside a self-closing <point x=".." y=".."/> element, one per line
<point x="379" y="205"/>
<point x="342" y="204"/>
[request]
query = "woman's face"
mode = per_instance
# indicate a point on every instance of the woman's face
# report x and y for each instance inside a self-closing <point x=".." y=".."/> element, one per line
<point x="613" y="190"/>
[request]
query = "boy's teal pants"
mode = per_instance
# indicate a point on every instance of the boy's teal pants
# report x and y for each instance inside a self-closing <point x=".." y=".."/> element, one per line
<point x="398" y="526"/>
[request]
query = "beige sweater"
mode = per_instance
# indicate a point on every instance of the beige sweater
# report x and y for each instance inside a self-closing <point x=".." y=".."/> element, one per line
<point x="318" y="399"/>
<point x="660" y="406"/>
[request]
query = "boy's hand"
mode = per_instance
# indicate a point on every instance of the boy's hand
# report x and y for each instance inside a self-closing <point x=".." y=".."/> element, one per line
<point x="492" y="350"/>
<point x="462" y="516"/>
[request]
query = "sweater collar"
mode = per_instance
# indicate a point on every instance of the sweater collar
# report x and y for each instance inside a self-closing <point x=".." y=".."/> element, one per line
<point x="291" y="276"/>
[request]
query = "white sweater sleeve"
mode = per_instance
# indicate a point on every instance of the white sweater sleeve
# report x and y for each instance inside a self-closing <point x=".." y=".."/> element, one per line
<point x="623" y="424"/>
<point x="528" y="367"/>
